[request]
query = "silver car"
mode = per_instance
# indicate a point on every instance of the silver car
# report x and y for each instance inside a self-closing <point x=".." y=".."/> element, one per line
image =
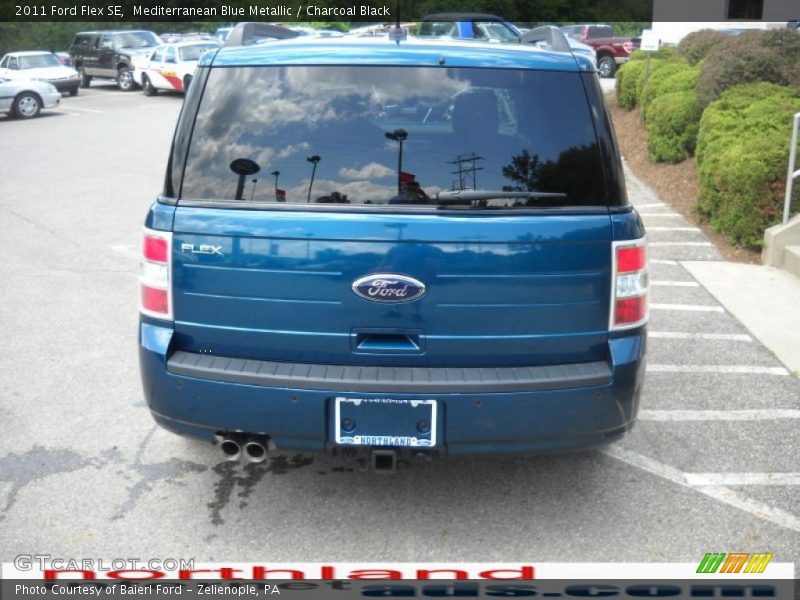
<point x="25" y="98"/>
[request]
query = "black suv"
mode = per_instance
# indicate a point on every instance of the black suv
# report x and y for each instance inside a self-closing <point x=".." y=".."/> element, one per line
<point x="109" y="54"/>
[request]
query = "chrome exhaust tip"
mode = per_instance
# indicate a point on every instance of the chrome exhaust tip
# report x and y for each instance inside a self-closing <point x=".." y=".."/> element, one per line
<point x="254" y="451"/>
<point x="231" y="448"/>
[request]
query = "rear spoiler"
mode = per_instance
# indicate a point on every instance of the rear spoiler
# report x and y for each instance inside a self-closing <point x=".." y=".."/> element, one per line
<point x="547" y="34"/>
<point x="245" y="34"/>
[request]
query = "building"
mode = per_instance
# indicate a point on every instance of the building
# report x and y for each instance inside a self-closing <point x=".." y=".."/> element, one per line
<point x="675" y="19"/>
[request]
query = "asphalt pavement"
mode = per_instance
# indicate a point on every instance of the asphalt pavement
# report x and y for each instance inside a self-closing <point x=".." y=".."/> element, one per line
<point x="713" y="465"/>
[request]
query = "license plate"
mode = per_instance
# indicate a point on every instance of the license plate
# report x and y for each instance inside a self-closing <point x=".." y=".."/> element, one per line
<point x="385" y="422"/>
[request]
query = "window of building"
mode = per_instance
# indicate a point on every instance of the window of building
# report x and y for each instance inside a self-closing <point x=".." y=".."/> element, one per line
<point x="745" y="9"/>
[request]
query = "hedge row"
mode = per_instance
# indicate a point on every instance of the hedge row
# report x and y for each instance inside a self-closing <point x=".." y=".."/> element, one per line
<point x="668" y="103"/>
<point x="731" y="99"/>
<point x="742" y="153"/>
<point x="770" y="56"/>
<point x="672" y="123"/>
<point x="696" y="46"/>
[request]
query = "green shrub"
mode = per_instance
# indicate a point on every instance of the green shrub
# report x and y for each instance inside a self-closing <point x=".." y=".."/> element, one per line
<point x="696" y="46"/>
<point x="671" y="77"/>
<point x="742" y="152"/>
<point x="627" y="76"/>
<point x="672" y="122"/>
<point x="770" y="56"/>
<point x="655" y="67"/>
<point x="663" y="53"/>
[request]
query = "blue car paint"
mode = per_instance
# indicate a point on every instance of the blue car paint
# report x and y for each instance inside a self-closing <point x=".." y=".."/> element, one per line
<point x="298" y="420"/>
<point x="301" y="419"/>
<point x="301" y="51"/>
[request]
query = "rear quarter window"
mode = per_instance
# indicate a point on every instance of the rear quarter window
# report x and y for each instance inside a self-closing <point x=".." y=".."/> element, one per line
<point x="333" y="135"/>
<point x="600" y="31"/>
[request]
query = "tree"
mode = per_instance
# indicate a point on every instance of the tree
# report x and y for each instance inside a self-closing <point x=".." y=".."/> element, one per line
<point x="525" y="170"/>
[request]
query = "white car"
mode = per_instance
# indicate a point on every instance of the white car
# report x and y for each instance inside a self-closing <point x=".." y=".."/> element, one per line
<point x="25" y="98"/>
<point x="170" y="66"/>
<point x="41" y="66"/>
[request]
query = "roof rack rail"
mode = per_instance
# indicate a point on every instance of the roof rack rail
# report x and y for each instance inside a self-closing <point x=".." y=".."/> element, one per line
<point x="245" y="34"/>
<point x="548" y="34"/>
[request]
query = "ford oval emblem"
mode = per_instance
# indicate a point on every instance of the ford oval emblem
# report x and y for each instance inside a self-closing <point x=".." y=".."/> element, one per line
<point x="388" y="288"/>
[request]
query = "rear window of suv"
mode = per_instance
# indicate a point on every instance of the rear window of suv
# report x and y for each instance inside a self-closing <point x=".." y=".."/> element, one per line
<point x="394" y="137"/>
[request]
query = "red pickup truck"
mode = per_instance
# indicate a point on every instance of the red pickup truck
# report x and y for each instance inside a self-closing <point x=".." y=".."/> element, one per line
<point x="611" y="51"/>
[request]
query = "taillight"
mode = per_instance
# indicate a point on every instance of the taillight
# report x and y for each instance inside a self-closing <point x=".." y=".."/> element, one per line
<point x="629" y="285"/>
<point x="155" y="289"/>
<point x="628" y="47"/>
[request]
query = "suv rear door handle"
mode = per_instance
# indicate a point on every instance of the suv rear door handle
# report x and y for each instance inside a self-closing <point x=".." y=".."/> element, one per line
<point x="388" y="342"/>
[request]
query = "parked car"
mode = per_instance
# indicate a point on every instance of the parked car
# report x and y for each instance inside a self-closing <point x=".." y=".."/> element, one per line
<point x="25" y="98"/>
<point x="483" y="27"/>
<point x="222" y="33"/>
<point x="468" y="26"/>
<point x="170" y="66"/>
<point x="110" y="54"/>
<point x="40" y="66"/>
<point x="394" y="251"/>
<point x="63" y="58"/>
<point x="611" y="51"/>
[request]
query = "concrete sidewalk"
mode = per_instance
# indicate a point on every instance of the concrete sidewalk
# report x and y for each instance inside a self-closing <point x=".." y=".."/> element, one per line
<point x="764" y="299"/>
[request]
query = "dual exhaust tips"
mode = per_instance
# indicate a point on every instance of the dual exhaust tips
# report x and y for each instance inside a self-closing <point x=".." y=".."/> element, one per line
<point x="252" y="449"/>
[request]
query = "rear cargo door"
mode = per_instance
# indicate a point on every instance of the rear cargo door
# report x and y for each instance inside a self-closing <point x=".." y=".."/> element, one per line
<point x="278" y="285"/>
<point x="484" y="187"/>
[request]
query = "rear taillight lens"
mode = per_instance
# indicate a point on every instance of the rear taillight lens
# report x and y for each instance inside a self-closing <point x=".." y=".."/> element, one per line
<point x="155" y="288"/>
<point x="629" y="284"/>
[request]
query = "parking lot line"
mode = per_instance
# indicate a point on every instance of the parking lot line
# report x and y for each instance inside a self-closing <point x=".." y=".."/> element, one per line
<point x="701" y="479"/>
<point x="667" y="283"/>
<point x="91" y="110"/>
<point x="651" y="205"/>
<point x="126" y="250"/>
<point x="688" y="307"/>
<point x="693" y="229"/>
<point x="685" y="335"/>
<point x="680" y="244"/>
<point x="717" y="492"/>
<point x="662" y="261"/>
<point x="768" y="414"/>
<point x="747" y="369"/>
<point x="664" y="215"/>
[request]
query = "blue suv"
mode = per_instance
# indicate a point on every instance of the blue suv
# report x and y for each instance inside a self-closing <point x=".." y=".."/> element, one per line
<point x="394" y="251"/>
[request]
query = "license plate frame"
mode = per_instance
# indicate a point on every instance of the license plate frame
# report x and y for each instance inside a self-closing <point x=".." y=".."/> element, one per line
<point x="368" y="412"/>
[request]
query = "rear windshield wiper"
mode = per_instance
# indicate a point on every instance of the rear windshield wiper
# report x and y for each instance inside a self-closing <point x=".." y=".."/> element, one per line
<point x="469" y="196"/>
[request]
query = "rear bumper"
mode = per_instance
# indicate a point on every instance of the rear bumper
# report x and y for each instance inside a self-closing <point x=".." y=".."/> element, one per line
<point x="563" y="410"/>
<point x="65" y="85"/>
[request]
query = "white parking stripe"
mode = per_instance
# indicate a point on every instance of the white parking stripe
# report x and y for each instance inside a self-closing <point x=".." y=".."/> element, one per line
<point x="693" y="229"/>
<point x="718" y="493"/>
<point x="126" y="250"/>
<point x="652" y="244"/>
<point x="91" y="110"/>
<point x="665" y="283"/>
<point x="662" y="261"/>
<point x="769" y="414"/>
<point x="685" y="335"/>
<point x="701" y="479"/>
<point x="651" y="205"/>
<point x="665" y="215"/>
<point x="687" y="307"/>
<point x="724" y="369"/>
